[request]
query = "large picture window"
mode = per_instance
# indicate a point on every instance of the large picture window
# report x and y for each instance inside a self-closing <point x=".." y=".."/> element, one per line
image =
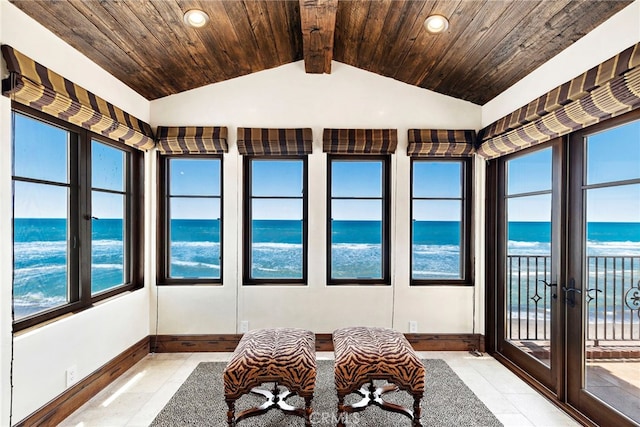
<point x="440" y="221"/>
<point x="275" y="220"/>
<point x="191" y="220"/>
<point x="71" y="187"/>
<point x="358" y="215"/>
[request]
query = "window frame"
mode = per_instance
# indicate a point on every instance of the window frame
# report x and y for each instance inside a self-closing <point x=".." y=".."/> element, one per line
<point x="79" y="257"/>
<point x="247" y="279"/>
<point x="385" y="160"/>
<point x="466" y="242"/>
<point x="163" y="255"/>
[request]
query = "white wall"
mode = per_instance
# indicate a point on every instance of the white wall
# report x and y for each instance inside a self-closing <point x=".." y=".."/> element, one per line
<point x="287" y="97"/>
<point x="608" y="39"/>
<point x="86" y="340"/>
<point x="93" y="337"/>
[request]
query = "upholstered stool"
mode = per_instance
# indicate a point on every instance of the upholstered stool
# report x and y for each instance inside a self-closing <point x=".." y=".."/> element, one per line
<point x="367" y="354"/>
<point x="285" y="356"/>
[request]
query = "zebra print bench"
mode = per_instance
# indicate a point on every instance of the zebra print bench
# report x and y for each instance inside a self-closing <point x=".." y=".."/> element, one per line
<point x="284" y="356"/>
<point x="367" y="354"/>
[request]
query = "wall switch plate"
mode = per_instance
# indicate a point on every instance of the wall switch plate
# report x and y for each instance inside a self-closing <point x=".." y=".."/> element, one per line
<point x="413" y="326"/>
<point x="72" y="375"/>
<point x="244" y="326"/>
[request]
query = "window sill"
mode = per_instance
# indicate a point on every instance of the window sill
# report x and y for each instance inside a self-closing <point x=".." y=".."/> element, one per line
<point x="189" y="283"/>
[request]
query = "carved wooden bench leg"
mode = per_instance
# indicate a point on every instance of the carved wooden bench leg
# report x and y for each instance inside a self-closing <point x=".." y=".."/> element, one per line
<point x="416" y="410"/>
<point x="231" y="412"/>
<point x="341" y="411"/>
<point x="307" y="411"/>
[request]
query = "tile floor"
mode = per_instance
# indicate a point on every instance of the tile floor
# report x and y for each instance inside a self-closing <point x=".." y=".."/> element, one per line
<point x="136" y="397"/>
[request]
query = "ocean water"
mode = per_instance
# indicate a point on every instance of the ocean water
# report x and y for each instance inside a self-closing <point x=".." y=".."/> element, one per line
<point x="277" y="249"/>
<point x="41" y="273"/>
<point x="195" y="248"/>
<point x="613" y="267"/>
<point x="436" y="250"/>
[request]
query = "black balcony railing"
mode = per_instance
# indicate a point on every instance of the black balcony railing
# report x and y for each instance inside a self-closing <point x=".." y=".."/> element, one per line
<point x="612" y="298"/>
<point x="528" y="297"/>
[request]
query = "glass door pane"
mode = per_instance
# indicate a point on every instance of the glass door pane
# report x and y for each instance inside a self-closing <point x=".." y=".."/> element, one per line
<point x="611" y="276"/>
<point x="529" y="281"/>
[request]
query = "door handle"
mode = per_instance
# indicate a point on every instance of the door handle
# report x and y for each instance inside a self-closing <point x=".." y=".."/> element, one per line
<point x="570" y="293"/>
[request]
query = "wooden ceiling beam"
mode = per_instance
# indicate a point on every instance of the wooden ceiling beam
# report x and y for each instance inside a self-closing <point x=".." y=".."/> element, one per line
<point x="318" y="22"/>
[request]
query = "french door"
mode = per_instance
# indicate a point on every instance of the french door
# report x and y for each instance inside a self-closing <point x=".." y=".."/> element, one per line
<point x="567" y="268"/>
<point x="529" y="225"/>
<point x="603" y="271"/>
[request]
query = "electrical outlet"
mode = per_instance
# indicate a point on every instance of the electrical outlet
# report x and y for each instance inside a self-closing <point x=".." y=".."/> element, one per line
<point x="413" y="326"/>
<point x="244" y="326"/>
<point x="72" y="375"/>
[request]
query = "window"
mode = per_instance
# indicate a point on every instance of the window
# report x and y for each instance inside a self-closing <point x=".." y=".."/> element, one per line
<point x="440" y="221"/>
<point x="70" y="187"/>
<point x="108" y="225"/>
<point x="358" y="229"/>
<point x="275" y="220"/>
<point x="191" y="220"/>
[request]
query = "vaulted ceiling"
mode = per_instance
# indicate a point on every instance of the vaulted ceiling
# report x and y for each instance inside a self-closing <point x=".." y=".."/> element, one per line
<point x="489" y="46"/>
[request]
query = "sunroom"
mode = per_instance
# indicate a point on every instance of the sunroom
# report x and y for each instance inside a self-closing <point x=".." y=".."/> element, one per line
<point x="318" y="165"/>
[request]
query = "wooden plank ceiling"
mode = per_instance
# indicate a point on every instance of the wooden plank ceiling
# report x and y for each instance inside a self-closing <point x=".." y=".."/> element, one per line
<point x="489" y="46"/>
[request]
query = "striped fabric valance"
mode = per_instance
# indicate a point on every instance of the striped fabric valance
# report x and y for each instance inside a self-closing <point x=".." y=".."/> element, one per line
<point x="192" y="140"/>
<point x="441" y="143"/>
<point x="605" y="91"/>
<point x="31" y="84"/>
<point x="274" y="142"/>
<point x="360" y="141"/>
<point x="614" y="98"/>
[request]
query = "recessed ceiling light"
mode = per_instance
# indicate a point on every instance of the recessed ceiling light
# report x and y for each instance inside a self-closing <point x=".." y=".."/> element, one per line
<point x="436" y="24"/>
<point x="196" y="18"/>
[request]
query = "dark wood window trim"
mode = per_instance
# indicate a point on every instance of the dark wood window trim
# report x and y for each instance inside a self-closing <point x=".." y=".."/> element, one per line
<point x="385" y="280"/>
<point x="79" y="217"/>
<point x="163" y="263"/>
<point x="466" y="249"/>
<point x="248" y="280"/>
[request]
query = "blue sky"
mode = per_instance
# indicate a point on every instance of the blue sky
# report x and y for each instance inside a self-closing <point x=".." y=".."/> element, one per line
<point x="107" y="173"/>
<point x="277" y="178"/>
<point x="41" y="154"/>
<point x="437" y="180"/>
<point x="195" y="177"/>
<point x="362" y="179"/>
<point x="622" y="159"/>
<point x="621" y="204"/>
<point x="527" y="174"/>
<point x="612" y="156"/>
